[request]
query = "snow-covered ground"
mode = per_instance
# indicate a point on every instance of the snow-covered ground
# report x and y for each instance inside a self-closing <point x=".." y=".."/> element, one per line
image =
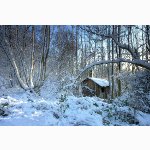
<point x="20" y="108"/>
<point x="26" y="109"/>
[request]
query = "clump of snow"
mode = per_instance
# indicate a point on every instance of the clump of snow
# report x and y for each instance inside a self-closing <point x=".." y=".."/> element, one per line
<point x="144" y="118"/>
<point x="101" y="82"/>
<point x="81" y="111"/>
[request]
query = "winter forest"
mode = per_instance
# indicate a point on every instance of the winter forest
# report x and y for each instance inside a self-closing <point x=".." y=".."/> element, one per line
<point x="74" y="75"/>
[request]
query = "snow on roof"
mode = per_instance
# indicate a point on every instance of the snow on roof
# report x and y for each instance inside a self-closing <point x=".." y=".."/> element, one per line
<point x="101" y="82"/>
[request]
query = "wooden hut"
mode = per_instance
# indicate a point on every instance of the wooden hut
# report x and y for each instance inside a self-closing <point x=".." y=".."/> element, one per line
<point x="95" y="87"/>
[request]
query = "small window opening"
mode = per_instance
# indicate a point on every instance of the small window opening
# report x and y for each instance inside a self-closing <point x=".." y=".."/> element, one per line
<point x="102" y="90"/>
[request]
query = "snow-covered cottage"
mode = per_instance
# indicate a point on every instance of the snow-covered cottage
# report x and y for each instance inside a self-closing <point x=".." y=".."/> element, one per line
<point x="95" y="87"/>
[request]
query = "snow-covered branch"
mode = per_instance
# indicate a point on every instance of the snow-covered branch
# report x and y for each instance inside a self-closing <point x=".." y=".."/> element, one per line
<point x="141" y="63"/>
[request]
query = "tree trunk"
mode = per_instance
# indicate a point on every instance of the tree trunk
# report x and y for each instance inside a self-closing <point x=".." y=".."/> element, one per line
<point x="32" y="58"/>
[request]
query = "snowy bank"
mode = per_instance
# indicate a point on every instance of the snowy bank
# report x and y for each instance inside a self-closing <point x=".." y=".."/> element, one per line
<point x="20" y="108"/>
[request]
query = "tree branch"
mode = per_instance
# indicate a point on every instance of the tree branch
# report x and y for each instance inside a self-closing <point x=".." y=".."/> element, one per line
<point x="141" y="63"/>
